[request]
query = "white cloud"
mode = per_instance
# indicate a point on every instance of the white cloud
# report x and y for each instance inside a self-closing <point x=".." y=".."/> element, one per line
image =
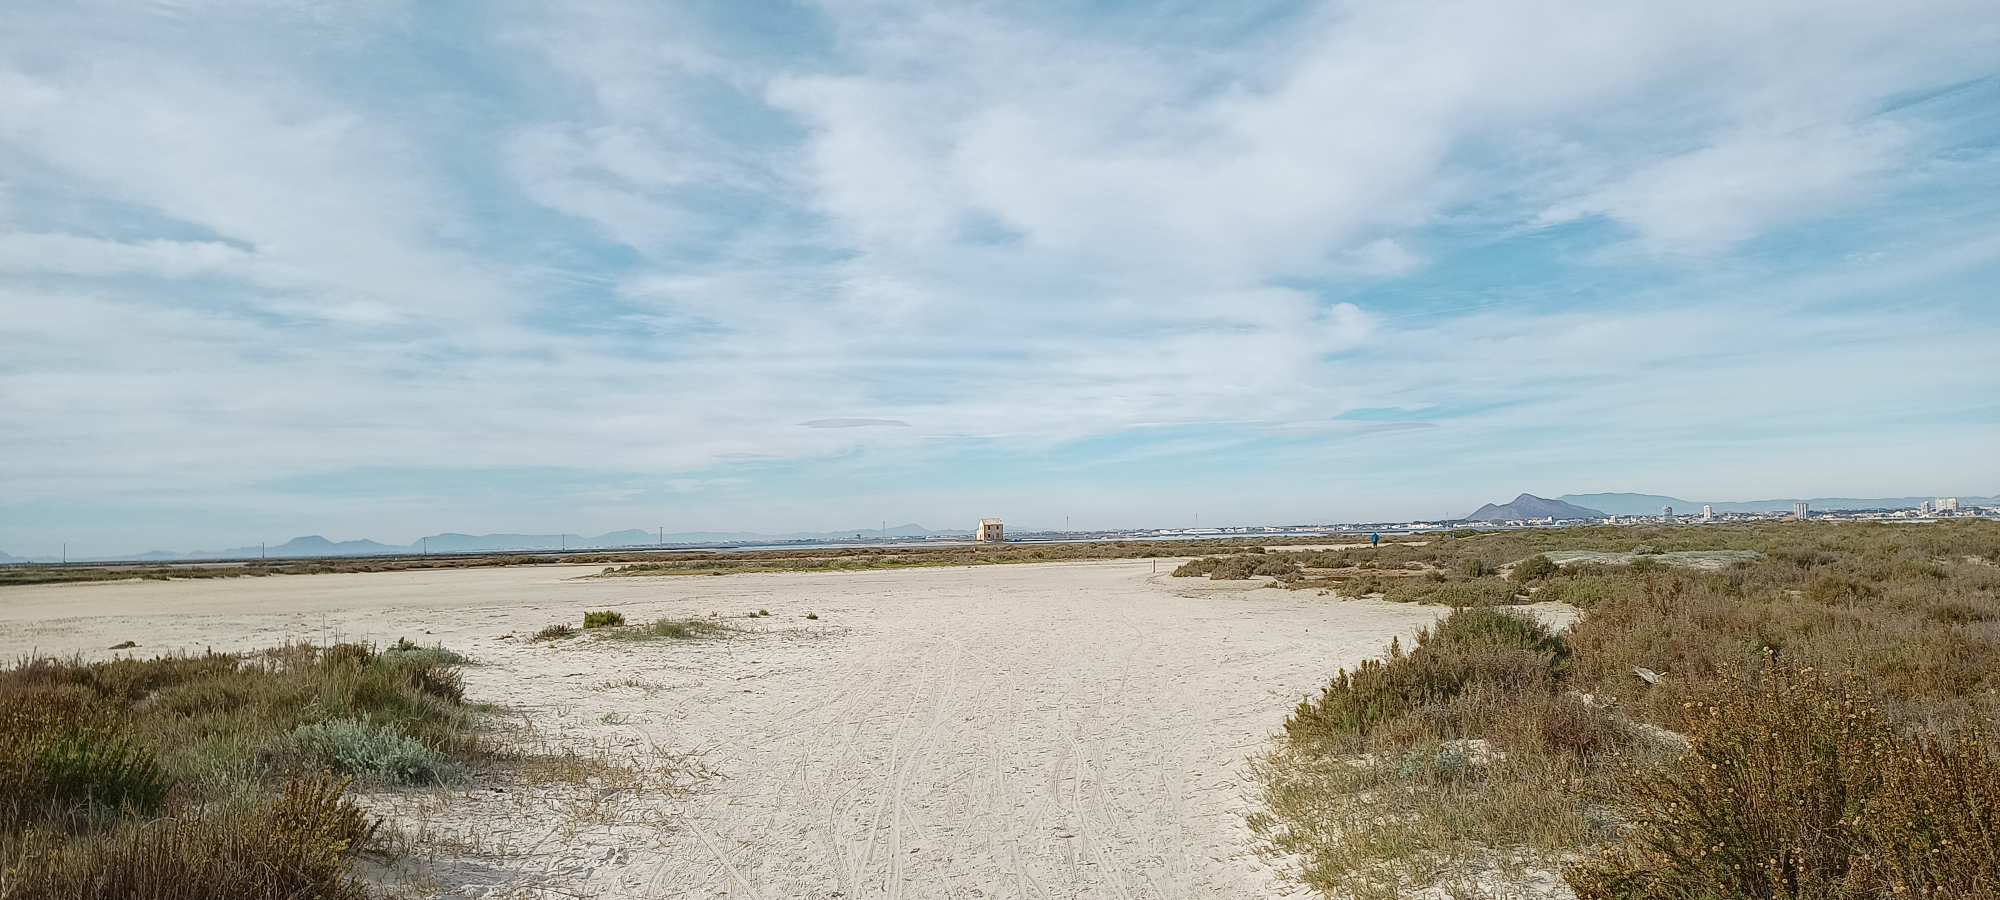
<point x="1743" y="185"/>
<point x="1000" y="228"/>
<point x="24" y="253"/>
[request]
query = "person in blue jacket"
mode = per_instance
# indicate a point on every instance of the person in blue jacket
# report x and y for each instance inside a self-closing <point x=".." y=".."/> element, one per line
<point x="1374" y="540"/>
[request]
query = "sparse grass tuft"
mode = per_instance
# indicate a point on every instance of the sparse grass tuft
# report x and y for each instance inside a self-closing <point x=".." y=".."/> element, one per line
<point x="673" y="629"/>
<point x="556" y="632"/>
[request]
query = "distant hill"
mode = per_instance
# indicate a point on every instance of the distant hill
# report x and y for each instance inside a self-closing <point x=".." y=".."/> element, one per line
<point x="4" y="558"/>
<point x="1650" y="504"/>
<point x="314" y="546"/>
<point x="1529" y="506"/>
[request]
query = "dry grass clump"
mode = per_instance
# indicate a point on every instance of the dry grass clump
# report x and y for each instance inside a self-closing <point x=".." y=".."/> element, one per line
<point x="1401" y="773"/>
<point x="673" y="629"/>
<point x="299" y="843"/>
<point x="1239" y="568"/>
<point x="603" y="619"/>
<point x="1840" y="689"/>
<point x="1481" y="591"/>
<point x="207" y="776"/>
<point x="1799" y="787"/>
<point x="555" y="632"/>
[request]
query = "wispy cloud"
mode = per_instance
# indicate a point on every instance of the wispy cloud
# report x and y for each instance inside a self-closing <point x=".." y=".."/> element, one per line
<point x="653" y="245"/>
<point x="855" y="423"/>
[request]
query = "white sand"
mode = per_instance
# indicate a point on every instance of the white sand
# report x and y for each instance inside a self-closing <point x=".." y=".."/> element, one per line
<point x="1060" y="730"/>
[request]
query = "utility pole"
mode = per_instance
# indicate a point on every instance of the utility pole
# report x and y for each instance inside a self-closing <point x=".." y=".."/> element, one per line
<point x="260" y="549"/>
<point x="427" y="546"/>
<point x="65" y="553"/>
<point x="663" y="537"/>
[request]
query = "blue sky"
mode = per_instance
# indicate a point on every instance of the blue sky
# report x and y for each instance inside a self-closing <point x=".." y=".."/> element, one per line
<point x="389" y="268"/>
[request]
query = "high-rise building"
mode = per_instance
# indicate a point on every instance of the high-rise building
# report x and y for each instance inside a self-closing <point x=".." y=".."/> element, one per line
<point x="1800" y="509"/>
<point x="1707" y="512"/>
<point x="1923" y="507"/>
<point x="1947" y="505"/>
<point x="1667" y="513"/>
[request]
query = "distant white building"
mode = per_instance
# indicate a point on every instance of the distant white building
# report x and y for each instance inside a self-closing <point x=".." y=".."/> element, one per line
<point x="1800" y="509"/>
<point x="990" y="532"/>
<point x="1923" y="507"/>
<point x="1707" y="512"/>
<point x="1947" y="506"/>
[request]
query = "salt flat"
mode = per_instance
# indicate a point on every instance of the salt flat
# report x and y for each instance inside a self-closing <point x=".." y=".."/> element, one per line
<point x="1047" y="730"/>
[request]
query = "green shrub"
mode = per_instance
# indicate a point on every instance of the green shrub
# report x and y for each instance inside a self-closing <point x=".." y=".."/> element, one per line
<point x="1483" y="647"/>
<point x="1196" y="568"/>
<point x="1585" y="591"/>
<point x="555" y="632"/>
<point x="1478" y="592"/>
<point x="97" y="768"/>
<point x="677" y="629"/>
<point x="1798" y="788"/>
<point x="363" y="749"/>
<point x="603" y="618"/>
<point x="408" y="650"/>
<point x="1534" y="568"/>
<point x="297" y="845"/>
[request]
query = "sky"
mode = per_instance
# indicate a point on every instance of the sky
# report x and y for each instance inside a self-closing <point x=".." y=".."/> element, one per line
<point x="382" y="269"/>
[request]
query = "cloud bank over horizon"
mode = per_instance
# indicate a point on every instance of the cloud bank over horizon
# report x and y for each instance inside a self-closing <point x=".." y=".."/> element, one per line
<point x="389" y="268"/>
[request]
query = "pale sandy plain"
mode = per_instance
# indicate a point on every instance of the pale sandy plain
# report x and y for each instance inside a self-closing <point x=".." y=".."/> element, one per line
<point x="1049" y="730"/>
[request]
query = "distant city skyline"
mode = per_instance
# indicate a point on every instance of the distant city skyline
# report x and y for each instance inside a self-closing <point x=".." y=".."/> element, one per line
<point x="387" y="270"/>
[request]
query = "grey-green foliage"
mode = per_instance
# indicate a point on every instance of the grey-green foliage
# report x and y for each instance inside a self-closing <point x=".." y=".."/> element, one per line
<point x="365" y="750"/>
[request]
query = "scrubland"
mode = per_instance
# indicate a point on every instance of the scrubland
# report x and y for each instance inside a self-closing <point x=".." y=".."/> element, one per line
<point x="217" y="775"/>
<point x="641" y="561"/>
<point x="1811" y="716"/>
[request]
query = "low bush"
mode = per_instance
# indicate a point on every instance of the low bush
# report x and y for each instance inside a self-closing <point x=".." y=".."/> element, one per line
<point x="1238" y="568"/>
<point x="603" y="619"/>
<point x="1476" y="592"/>
<point x="1798" y="787"/>
<point x="1482" y="647"/>
<point x="166" y="778"/>
<point x="95" y="768"/>
<point x="676" y="629"/>
<point x="1534" y="568"/>
<point x="555" y="632"/>
<point x="363" y="749"/>
<point x="299" y="844"/>
<point x="1195" y="568"/>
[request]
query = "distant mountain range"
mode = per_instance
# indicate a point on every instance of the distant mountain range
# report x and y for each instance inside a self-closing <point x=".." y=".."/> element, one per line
<point x="1651" y="504"/>
<point x="315" y="546"/>
<point x="1529" y="506"/>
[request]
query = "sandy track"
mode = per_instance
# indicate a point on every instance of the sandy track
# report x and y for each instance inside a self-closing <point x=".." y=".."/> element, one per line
<point x="1062" y="730"/>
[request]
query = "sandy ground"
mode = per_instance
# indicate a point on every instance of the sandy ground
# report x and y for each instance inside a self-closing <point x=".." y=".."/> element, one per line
<point x="1060" y="730"/>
